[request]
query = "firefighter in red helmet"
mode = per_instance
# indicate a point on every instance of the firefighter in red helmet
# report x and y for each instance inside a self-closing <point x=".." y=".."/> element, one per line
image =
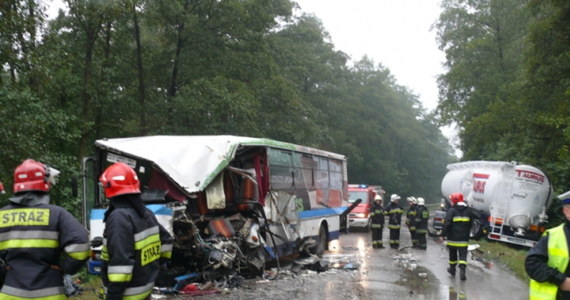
<point x="134" y="242"/>
<point x="39" y="242"/>
<point x="457" y="229"/>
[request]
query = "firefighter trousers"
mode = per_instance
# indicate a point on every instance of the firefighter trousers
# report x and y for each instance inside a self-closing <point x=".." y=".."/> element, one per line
<point x="457" y="256"/>
<point x="376" y="235"/>
<point x="395" y="238"/>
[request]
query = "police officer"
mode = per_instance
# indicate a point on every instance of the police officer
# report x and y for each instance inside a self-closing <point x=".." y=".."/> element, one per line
<point x="547" y="262"/>
<point x="456" y="229"/>
<point x="134" y="243"/>
<point x="39" y="242"/>
<point x="395" y="219"/>
<point x="422" y="216"/>
<point x="377" y="222"/>
<point x="411" y="220"/>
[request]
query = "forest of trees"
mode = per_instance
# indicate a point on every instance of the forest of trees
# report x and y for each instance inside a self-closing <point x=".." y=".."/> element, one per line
<point x="507" y="84"/>
<point x="262" y="68"/>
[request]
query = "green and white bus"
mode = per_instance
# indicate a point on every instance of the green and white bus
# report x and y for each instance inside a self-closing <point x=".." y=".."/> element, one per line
<point x="231" y="202"/>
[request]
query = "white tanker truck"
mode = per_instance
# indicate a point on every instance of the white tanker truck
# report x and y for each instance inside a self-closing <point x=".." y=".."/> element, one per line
<point x="511" y="198"/>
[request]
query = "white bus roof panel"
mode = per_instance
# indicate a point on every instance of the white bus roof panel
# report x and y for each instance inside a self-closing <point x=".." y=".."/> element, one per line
<point x="193" y="161"/>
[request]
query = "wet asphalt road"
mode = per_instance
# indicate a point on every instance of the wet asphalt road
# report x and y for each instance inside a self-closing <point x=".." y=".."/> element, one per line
<point x="357" y="271"/>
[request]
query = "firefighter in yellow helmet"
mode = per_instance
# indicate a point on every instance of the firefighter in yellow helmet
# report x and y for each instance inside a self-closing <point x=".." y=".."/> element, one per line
<point x="39" y="242"/>
<point x="134" y="242"/>
<point x="377" y="222"/>
<point x="547" y="262"/>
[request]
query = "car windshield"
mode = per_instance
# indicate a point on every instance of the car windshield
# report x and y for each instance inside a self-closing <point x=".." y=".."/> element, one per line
<point x="353" y="196"/>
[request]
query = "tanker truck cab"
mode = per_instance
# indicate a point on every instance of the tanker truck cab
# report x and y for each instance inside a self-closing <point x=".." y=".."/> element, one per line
<point x="359" y="217"/>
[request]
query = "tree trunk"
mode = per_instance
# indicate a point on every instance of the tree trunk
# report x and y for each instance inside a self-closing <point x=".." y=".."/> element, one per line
<point x="140" y="73"/>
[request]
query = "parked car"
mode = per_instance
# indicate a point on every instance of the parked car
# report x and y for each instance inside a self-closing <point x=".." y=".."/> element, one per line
<point x="438" y="220"/>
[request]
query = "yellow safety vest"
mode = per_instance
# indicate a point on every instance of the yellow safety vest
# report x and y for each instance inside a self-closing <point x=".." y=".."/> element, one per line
<point x="557" y="258"/>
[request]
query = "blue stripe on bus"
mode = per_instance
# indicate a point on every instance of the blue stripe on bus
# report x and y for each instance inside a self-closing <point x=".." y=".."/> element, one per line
<point x="321" y="212"/>
<point x="157" y="209"/>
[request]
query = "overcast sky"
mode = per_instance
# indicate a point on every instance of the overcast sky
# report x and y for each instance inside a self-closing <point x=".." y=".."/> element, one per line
<point x="395" y="33"/>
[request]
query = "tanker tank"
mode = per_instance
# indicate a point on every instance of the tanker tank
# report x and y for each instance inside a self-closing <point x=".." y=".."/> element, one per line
<point x="517" y="195"/>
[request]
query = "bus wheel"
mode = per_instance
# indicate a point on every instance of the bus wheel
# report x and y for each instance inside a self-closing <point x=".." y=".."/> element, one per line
<point x="322" y="242"/>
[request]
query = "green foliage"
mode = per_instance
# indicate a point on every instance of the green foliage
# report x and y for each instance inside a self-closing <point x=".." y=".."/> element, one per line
<point x="508" y="255"/>
<point x="125" y="68"/>
<point x="508" y="80"/>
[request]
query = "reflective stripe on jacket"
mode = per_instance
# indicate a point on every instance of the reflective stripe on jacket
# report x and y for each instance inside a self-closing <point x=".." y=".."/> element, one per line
<point x="457" y="226"/>
<point x="395" y="215"/>
<point x="557" y="258"/>
<point x="132" y="248"/>
<point x="377" y="215"/>
<point x="39" y="243"/>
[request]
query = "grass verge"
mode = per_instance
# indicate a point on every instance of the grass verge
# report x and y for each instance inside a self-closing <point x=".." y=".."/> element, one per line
<point x="510" y="256"/>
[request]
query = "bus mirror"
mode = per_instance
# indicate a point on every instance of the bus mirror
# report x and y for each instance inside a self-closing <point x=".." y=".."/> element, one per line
<point x="74" y="187"/>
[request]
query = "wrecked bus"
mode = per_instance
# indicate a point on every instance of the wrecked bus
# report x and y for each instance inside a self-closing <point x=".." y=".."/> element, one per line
<point x="232" y="203"/>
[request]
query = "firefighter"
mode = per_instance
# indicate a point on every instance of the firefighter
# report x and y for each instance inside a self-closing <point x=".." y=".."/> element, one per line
<point x="134" y="244"/>
<point x="422" y="216"/>
<point x="377" y="225"/>
<point x="547" y="262"/>
<point x="456" y="229"/>
<point x="411" y="220"/>
<point x="395" y="219"/>
<point x="39" y="242"/>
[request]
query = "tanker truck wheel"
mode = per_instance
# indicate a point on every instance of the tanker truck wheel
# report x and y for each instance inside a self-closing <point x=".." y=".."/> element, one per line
<point x="477" y="231"/>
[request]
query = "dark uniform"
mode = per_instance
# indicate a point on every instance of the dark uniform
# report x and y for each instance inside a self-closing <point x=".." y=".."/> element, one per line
<point x="33" y="237"/>
<point x="395" y="219"/>
<point x="422" y="217"/>
<point x="411" y="222"/>
<point x="456" y="229"/>
<point x="134" y="244"/>
<point x="543" y="270"/>
<point x="377" y="223"/>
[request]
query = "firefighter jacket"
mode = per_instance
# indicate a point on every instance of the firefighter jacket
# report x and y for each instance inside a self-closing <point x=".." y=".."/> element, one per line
<point x="457" y="227"/>
<point x="411" y="217"/>
<point x="421" y="219"/>
<point x="377" y="215"/>
<point x="547" y="264"/>
<point x="39" y="243"/>
<point x="133" y="246"/>
<point x="395" y="215"/>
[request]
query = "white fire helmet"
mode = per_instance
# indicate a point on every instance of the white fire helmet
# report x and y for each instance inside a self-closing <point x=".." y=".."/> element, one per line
<point x="412" y="199"/>
<point x="394" y="198"/>
<point x="421" y="201"/>
<point x="377" y="197"/>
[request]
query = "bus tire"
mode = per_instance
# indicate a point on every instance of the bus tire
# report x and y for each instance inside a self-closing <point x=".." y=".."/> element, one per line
<point x="322" y="242"/>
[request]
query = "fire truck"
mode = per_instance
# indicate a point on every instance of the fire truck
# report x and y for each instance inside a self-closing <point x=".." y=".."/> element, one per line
<point x="359" y="217"/>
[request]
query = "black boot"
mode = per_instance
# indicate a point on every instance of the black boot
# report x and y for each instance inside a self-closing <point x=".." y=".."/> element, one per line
<point x="451" y="270"/>
<point x="462" y="274"/>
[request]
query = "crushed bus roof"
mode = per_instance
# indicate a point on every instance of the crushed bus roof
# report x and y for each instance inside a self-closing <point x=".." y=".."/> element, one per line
<point x="194" y="161"/>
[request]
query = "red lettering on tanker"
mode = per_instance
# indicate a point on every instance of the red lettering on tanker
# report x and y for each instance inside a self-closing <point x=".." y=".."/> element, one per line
<point x="479" y="181"/>
<point x="530" y="175"/>
<point x="479" y="186"/>
<point x="481" y="175"/>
